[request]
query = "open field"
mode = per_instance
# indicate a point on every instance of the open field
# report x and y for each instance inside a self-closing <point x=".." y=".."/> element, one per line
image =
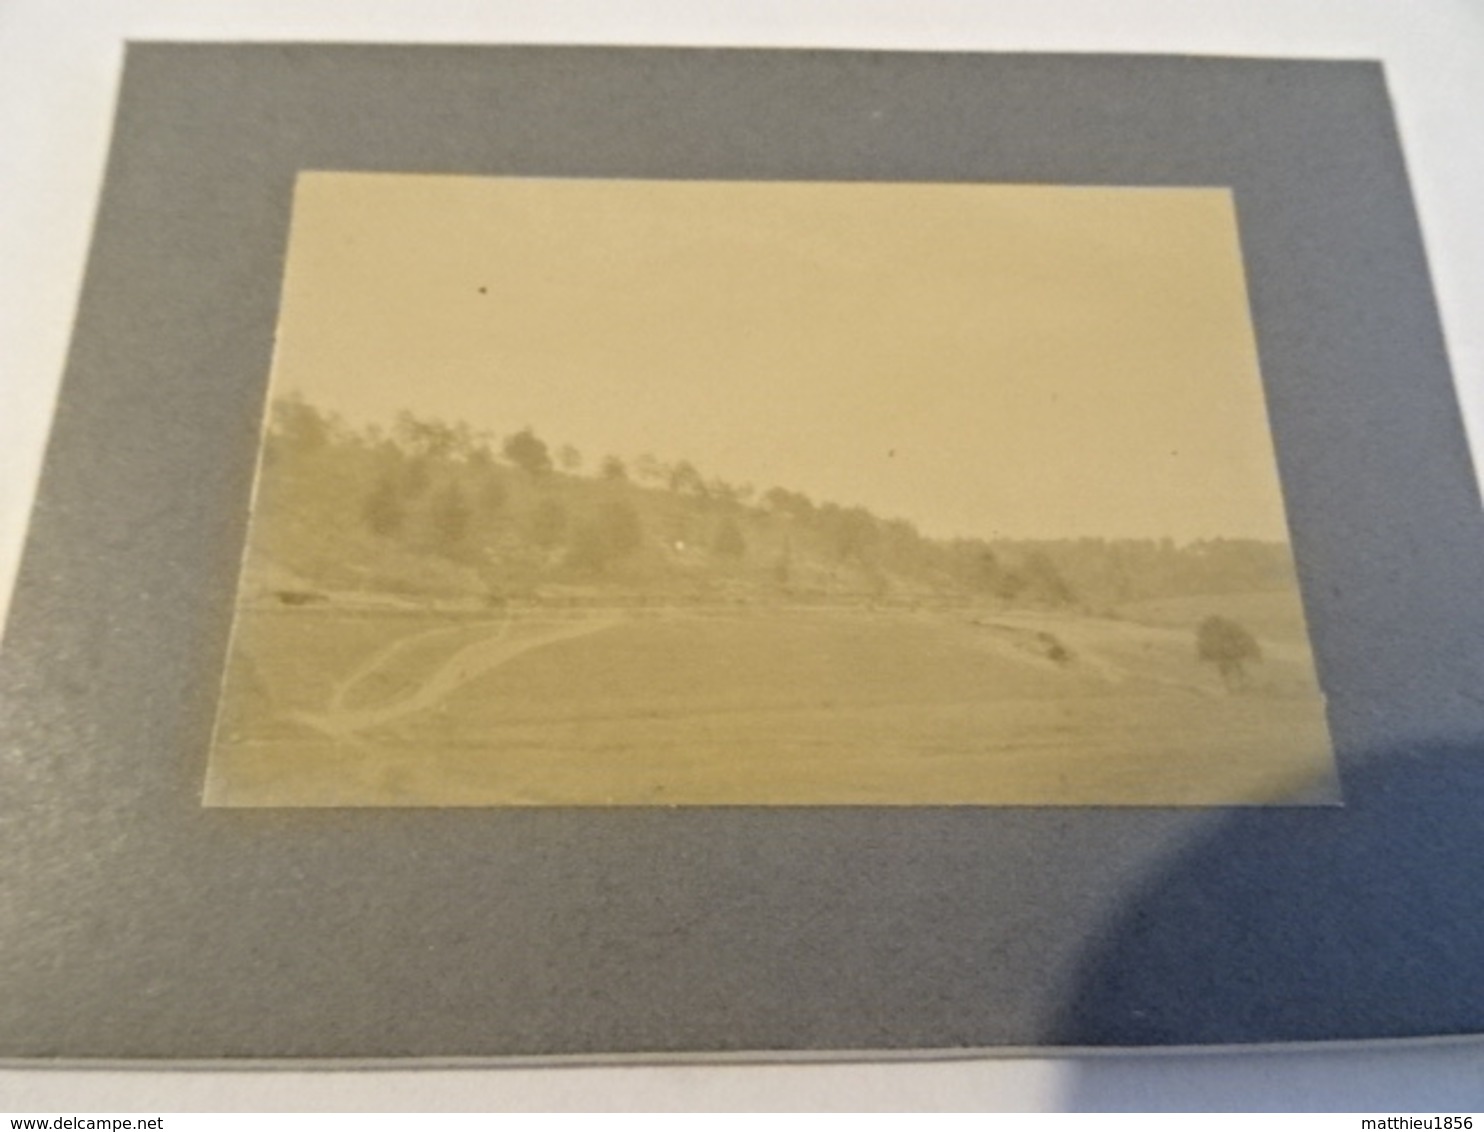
<point x="337" y="706"/>
<point x="1276" y="616"/>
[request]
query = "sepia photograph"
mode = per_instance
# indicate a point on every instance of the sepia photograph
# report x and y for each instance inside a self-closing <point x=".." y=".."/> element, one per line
<point x="587" y="492"/>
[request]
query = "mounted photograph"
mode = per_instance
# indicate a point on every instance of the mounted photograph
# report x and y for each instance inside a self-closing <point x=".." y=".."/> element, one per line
<point x="589" y="492"/>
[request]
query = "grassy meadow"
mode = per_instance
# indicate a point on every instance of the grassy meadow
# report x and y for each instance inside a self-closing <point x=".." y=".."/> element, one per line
<point x="755" y="706"/>
<point x="427" y="619"/>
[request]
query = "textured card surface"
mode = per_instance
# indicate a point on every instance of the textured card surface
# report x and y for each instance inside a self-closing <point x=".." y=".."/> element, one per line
<point x="369" y="910"/>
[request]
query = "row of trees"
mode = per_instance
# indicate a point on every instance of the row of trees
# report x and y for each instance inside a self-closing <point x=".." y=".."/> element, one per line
<point x="518" y="505"/>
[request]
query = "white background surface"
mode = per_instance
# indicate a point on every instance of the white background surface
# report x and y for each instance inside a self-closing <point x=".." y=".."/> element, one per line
<point x="59" y="68"/>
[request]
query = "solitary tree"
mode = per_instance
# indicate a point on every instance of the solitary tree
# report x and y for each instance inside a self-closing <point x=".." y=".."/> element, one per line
<point x="383" y="508"/>
<point x="650" y="470"/>
<point x="1044" y="581"/>
<point x="794" y="504"/>
<point x="450" y="519"/>
<point x="977" y="566"/>
<point x="527" y="452"/>
<point x="432" y="438"/>
<point x="1229" y="646"/>
<point x="851" y="532"/>
<point x="296" y="428"/>
<point x="685" y="480"/>
<point x="728" y="541"/>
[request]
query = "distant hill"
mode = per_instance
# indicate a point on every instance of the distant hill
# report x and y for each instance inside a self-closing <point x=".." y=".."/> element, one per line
<point x="429" y="511"/>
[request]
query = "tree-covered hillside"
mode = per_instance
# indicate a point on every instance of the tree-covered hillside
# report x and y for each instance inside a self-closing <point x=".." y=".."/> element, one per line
<point x="427" y="510"/>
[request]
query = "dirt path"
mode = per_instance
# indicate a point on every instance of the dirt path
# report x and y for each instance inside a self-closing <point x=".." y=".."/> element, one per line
<point x="382" y="657"/>
<point x="1098" y="649"/>
<point x="464" y="665"/>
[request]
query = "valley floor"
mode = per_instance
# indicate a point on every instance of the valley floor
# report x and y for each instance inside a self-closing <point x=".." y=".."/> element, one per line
<point x="766" y="705"/>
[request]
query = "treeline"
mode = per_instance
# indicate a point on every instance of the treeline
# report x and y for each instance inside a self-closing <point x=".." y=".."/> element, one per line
<point x="430" y="507"/>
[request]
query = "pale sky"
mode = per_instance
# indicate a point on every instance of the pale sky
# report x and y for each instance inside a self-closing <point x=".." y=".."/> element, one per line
<point x="986" y="360"/>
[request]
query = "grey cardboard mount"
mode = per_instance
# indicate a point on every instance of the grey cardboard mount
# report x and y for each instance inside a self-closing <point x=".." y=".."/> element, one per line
<point x="138" y="925"/>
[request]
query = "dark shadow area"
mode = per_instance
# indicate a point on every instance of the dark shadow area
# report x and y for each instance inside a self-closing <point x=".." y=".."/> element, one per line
<point x="1359" y="923"/>
<point x="1420" y="1077"/>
